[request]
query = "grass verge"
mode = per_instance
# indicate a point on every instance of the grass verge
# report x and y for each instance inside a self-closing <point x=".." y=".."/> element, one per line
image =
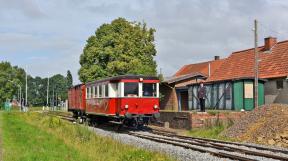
<point x="211" y="132"/>
<point x="33" y="136"/>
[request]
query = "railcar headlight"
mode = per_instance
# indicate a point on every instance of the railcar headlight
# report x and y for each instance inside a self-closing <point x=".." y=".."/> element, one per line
<point x="126" y="106"/>
<point x="155" y="106"/>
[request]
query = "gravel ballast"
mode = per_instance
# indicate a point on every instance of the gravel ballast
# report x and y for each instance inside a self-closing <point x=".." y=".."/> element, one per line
<point x="172" y="151"/>
<point x="176" y="152"/>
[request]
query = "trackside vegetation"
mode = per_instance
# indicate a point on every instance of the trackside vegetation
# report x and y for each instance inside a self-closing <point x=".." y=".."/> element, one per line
<point x="212" y="132"/>
<point x="35" y="136"/>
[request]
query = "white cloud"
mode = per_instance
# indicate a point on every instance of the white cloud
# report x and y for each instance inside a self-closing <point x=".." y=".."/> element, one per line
<point x="186" y="31"/>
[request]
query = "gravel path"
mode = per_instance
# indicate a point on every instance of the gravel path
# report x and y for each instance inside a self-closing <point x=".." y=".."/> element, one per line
<point x="173" y="151"/>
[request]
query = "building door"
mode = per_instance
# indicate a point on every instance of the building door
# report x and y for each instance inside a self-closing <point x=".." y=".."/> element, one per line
<point x="184" y="100"/>
<point x="248" y="95"/>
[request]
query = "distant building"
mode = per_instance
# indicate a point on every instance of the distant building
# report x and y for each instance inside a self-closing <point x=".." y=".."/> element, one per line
<point x="230" y="84"/>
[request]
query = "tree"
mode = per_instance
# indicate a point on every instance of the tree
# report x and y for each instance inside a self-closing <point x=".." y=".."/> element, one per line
<point x="69" y="79"/>
<point x="119" y="48"/>
<point x="10" y="78"/>
<point x="58" y="83"/>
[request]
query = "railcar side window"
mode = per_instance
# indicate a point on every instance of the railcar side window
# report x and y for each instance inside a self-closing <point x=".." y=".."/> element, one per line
<point x="100" y="91"/>
<point x="149" y="90"/>
<point x="106" y="90"/>
<point x="88" y="92"/>
<point x="95" y="92"/>
<point x="131" y="89"/>
<point x="91" y="92"/>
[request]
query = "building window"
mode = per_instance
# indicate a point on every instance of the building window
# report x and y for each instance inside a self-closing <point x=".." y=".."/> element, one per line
<point x="228" y="93"/>
<point x="279" y="84"/>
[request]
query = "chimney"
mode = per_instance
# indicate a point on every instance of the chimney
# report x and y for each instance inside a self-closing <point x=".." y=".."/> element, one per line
<point x="269" y="42"/>
<point x="216" y="57"/>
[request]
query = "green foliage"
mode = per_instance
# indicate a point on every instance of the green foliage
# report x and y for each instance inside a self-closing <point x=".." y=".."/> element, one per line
<point x="69" y="79"/>
<point x="58" y="83"/>
<point x="119" y="48"/>
<point x="37" y="89"/>
<point x="10" y="78"/>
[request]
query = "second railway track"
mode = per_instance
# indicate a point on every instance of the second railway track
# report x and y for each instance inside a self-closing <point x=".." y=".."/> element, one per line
<point x="219" y="150"/>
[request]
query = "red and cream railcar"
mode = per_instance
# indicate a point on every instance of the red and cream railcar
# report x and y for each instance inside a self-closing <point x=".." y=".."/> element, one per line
<point x="130" y="100"/>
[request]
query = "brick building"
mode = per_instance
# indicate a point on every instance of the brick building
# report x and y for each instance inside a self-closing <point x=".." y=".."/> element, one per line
<point x="175" y="89"/>
<point x="230" y="81"/>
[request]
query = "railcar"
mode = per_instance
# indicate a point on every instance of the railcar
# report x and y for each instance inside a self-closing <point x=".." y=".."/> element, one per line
<point x="125" y="100"/>
<point x="77" y="100"/>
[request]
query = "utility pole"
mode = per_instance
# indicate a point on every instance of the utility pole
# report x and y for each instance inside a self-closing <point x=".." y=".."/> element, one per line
<point x="20" y="98"/>
<point x="56" y="100"/>
<point x="53" y="99"/>
<point x="47" y="99"/>
<point x="26" y="89"/>
<point x="256" y="70"/>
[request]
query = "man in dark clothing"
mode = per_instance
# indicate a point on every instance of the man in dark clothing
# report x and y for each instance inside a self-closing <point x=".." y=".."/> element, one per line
<point x="202" y="96"/>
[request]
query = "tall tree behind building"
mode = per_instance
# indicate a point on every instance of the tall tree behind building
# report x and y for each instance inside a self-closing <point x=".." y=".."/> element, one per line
<point x="69" y="79"/>
<point x="119" y="48"/>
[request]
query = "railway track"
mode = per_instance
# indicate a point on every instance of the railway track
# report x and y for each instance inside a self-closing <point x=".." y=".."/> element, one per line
<point x="205" y="140"/>
<point x="218" y="148"/>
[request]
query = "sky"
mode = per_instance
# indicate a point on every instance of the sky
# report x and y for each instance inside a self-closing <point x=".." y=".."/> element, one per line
<point x="47" y="37"/>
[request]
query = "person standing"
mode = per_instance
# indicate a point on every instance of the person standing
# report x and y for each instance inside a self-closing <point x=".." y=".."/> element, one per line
<point x="202" y="96"/>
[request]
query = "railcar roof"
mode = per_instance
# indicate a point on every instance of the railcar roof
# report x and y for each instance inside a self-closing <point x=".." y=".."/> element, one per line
<point x="77" y="85"/>
<point x="121" y="77"/>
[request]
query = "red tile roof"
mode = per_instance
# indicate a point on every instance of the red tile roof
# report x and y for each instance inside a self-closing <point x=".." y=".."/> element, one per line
<point x="199" y="68"/>
<point x="240" y="64"/>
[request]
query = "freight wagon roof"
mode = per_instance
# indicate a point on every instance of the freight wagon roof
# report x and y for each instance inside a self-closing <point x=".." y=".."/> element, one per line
<point x="78" y="85"/>
<point x="121" y="77"/>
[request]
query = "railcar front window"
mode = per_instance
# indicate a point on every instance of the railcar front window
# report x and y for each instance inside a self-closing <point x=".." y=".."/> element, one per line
<point x="131" y="89"/>
<point x="149" y="90"/>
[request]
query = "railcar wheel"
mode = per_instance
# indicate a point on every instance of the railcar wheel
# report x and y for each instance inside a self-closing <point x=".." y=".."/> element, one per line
<point x="94" y="123"/>
<point x="87" y="122"/>
<point x="134" y="123"/>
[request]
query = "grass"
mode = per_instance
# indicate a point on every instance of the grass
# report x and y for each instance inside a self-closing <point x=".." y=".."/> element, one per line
<point x="212" y="132"/>
<point x="25" y="142"/>
<point x="33" y="136"/>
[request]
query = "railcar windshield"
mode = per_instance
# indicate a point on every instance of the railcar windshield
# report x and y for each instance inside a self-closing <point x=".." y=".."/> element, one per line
<point x="131" y="89"/>
<point x="149" y="90"/>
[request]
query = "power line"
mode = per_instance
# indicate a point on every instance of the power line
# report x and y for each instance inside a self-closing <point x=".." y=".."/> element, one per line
<point x="268" y="28"/>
